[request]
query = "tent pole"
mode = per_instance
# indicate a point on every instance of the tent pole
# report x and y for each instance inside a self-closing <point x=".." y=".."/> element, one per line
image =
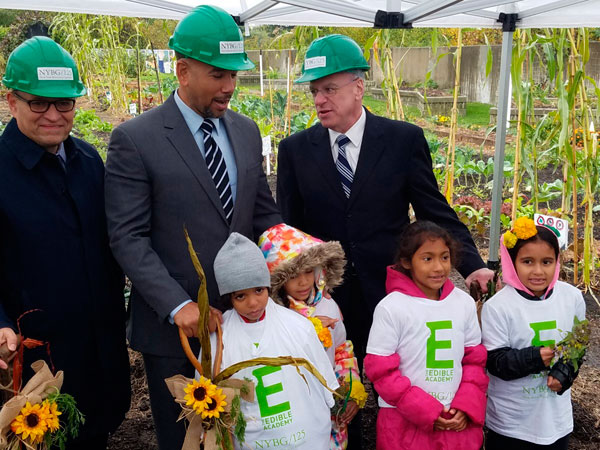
<point x="503" y="115"/>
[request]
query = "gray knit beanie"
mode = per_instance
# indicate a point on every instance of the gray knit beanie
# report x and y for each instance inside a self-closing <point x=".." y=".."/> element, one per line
<point x="240" y="265"/>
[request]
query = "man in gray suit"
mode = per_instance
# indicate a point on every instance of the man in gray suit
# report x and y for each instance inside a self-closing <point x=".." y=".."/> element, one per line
<point x="190" y="163"/>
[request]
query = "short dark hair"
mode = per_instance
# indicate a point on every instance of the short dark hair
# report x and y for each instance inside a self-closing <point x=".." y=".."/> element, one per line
<point x="543" y="234"/>
<point x="414" y="235"/>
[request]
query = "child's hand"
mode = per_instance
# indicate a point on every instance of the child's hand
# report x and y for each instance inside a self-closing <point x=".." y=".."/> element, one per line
<point x="214" y="316"/>
<point x="547" y="354"/>
<point x="327" y="322"/>
<point x="351" y="411"/>
<point x="554" y="384"/>
<point x="459" y="422"/>
<point x="440" y="423"/>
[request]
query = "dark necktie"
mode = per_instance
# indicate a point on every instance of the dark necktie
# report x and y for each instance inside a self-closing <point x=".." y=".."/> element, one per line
<point x="342" y="165"/>
<point x="217" y="168"/>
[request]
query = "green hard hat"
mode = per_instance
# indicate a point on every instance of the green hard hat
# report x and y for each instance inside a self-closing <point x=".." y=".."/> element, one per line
<point x="331" y="54"/>
<point x="39" y="66"/>
<point x="210" y="35"/>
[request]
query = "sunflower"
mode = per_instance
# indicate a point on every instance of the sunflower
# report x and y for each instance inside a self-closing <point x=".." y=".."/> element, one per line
<point x="30" y="423"/>
<point x="198" y="393"/>
<point x="52" y="414"/>
<point x="214" y="405"/>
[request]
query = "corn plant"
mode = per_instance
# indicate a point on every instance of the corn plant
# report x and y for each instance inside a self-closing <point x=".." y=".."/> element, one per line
<point x="380" y="43"/>
<point x="94" y="42"/>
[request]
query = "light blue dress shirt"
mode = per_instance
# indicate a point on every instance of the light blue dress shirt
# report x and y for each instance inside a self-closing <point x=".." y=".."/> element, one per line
<point x="193" y="121"/>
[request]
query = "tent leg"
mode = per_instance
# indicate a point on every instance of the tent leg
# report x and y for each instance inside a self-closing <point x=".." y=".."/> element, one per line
<point x="504" y="95"/>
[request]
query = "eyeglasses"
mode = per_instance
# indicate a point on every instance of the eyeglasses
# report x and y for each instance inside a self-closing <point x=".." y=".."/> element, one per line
<point x="41" y="106"/>
<point x="329" y="91"/>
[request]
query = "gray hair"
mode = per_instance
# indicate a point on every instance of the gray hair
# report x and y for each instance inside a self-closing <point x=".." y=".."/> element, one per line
<point x="357" y="73"/>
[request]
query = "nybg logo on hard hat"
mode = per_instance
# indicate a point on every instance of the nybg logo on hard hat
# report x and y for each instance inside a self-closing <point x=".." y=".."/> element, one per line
<point x="54" y="73"/>
<point x="314" y="62"/>
<point x="228" y="47"/>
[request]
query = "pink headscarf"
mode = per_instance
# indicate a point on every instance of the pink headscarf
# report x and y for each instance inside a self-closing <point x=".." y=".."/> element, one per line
<point x="509" y="273"/>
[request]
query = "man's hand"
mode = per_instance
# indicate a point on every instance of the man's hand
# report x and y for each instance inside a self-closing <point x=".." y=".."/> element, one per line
<point x="187" y="319"/>
<point x="8" y="337"/>
<point x="481" y="276"/>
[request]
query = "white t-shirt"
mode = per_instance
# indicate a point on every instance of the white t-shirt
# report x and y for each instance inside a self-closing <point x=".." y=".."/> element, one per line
<point x="430" y="337"/>
<point x="329" y="308"/>
<point x="289" y="411"/>
<point x="526" y="408"/>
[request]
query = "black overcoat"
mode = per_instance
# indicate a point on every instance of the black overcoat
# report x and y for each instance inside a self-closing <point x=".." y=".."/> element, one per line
<point x="55" y="258"/>
<point x="394" y="171"/>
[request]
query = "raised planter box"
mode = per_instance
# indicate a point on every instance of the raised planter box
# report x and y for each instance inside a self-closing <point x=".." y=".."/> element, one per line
<point x="438" y="105"/>
<point x="253" y="79"/>
<point x="538" y="113"/>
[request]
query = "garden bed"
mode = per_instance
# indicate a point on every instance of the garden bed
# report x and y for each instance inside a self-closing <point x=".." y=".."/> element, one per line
<point x="438" y="105"/>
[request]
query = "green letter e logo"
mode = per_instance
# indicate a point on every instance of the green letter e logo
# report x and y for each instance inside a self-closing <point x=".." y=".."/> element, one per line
<point x="541" y="326"/>
<point x="263" y="391"/>
<point x="433" y="345"/>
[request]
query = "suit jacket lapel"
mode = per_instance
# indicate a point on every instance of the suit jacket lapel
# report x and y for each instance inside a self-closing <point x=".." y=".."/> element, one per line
<point x="178" y="133"/>
<point x="236" y="139"/>
<point x="370" y="152"/>
<point x="321" y="152"/>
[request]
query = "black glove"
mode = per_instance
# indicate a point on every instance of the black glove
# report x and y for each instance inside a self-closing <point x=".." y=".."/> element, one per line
<point x="565" y="373"/>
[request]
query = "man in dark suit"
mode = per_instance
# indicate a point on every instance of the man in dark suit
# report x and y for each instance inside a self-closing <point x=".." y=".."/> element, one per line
<point x="352" y="177"/>
<point x="56" y="269"/>
<point x="190" y="163"/>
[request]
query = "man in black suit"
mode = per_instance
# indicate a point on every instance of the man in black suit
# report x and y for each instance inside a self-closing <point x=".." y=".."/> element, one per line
<point x="352" y="177"/>
<point x="59" y="283"/>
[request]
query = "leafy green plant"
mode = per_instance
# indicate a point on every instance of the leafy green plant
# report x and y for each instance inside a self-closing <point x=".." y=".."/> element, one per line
<point x="92" y="129"/>
<point x="574" y="344"/>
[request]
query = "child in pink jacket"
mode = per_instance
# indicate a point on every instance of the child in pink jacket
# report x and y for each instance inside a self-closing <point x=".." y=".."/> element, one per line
<point x="424" y="354"/>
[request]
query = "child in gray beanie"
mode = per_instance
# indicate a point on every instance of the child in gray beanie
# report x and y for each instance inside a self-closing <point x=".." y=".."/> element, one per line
<point x="290" y="409"/>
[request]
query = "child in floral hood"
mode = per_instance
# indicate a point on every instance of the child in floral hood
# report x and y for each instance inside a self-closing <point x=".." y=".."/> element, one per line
<point x="302" y="268"/>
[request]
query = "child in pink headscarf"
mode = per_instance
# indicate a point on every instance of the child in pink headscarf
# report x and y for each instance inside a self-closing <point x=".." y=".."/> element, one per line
<point x="529" y="404"/>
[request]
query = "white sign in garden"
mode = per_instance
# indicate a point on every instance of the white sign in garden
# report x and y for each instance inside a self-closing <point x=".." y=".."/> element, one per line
<point x="266" y="151"/>
<point x="559" y="226"/>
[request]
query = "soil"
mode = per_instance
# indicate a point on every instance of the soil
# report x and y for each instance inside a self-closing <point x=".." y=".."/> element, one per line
<point x="137" y="430"/>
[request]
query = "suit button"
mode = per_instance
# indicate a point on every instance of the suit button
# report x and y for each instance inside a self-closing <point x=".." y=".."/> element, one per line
<point x="349" y="216"/>
<point x="352" y="245"/>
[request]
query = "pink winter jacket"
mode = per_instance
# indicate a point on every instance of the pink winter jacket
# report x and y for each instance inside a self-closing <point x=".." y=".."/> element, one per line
<point x="409" y="425"/>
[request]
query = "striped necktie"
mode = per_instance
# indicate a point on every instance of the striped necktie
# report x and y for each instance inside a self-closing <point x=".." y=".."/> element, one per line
<point x="342" y="165"/>
<point x="217" y="168"/>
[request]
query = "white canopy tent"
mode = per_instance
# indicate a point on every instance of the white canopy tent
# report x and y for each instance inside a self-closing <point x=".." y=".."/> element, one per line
<point x="505" y="14"/>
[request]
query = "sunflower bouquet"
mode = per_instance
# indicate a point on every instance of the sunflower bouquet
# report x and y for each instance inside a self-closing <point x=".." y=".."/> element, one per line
<point x="212" y="410"/>
<point x="31" y="418"/>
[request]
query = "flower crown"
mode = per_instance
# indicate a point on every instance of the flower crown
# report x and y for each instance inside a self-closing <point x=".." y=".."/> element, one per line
<point x="523" y="228"/>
